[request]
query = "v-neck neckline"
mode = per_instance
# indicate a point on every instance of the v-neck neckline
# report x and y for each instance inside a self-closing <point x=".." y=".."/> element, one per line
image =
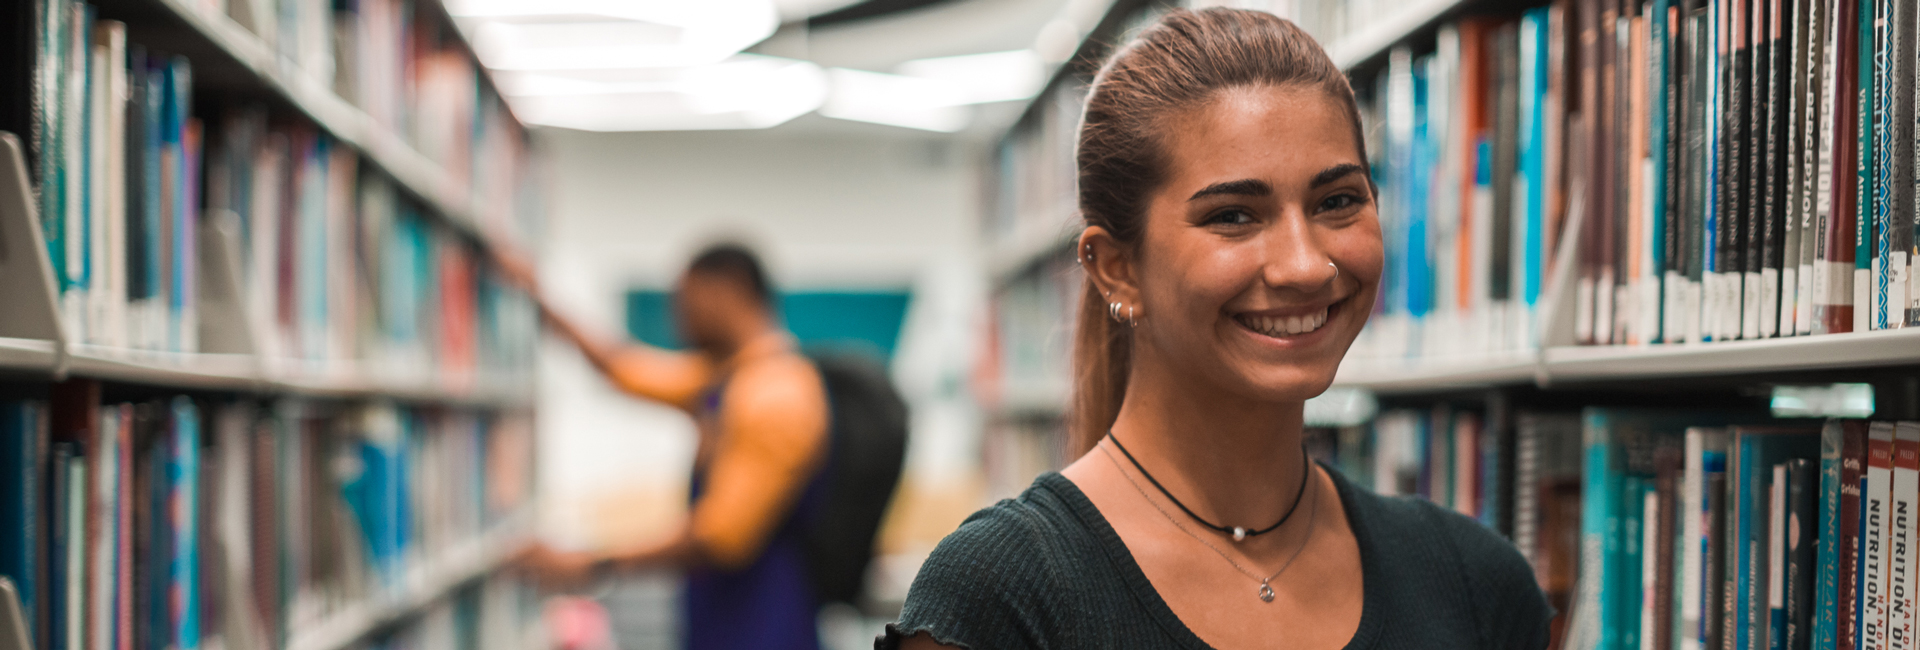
<point x="1149" y="598"/>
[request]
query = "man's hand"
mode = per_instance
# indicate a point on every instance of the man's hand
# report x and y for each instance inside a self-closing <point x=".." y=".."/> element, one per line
<point x="559" y="569"/>
<point x="516" y="267"/>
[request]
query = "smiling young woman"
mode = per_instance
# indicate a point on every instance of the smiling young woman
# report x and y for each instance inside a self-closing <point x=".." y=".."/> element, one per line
<point x="1232" y="251"/>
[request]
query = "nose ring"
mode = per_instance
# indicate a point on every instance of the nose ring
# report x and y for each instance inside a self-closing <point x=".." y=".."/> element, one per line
<point x="1336" y="269"/>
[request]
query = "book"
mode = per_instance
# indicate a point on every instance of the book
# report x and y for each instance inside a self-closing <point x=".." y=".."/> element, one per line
<point x="23" y="557"/>
<point x="1875" y="504"/>
<point x="1770" y="585"/>
<point x="1752" y="453"/>
<point x="1704" y="456"/>
<point x="1829" y="586"/>
<point x="1834" y="306"/>
<point x="1901" y="519"/>
<point x="1799" y="535"/>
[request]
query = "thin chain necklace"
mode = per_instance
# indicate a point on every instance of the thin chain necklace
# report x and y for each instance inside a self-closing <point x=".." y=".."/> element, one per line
<point x="1266" y="589"/>
<point x="1239" y="533"/>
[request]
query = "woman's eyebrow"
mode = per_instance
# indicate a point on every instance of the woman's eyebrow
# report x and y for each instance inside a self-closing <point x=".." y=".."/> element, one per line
<point x="1335" y="173"/>
<point x="1242" y="187"/>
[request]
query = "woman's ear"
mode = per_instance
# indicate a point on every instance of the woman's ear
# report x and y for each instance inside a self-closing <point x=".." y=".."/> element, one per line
<point x="1109" y="264"/>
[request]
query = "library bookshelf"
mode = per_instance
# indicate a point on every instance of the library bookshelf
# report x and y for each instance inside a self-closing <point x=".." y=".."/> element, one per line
<point x="243" y="263"/>
<point x="1634" y="378"/>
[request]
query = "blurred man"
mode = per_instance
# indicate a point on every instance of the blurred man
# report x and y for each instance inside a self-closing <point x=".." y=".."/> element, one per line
<point x="762" y="415"/>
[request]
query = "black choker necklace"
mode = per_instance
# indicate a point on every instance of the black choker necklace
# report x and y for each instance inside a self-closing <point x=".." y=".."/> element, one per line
<point x="1238" y="533"/>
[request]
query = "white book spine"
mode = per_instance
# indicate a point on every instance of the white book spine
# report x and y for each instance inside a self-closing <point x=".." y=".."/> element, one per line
<point x="1862" y="302"/>
<point x="1752" y="293"/>
<point x="1897" y="290"/>
<point x="1874" y="506"/>
<point x="1905" y="499"/>
<point x="1692" y="506"/>
<point x="116" y="226"/>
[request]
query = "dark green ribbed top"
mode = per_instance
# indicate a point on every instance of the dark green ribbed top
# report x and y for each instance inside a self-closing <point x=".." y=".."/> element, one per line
<point x="1045" y="570"/>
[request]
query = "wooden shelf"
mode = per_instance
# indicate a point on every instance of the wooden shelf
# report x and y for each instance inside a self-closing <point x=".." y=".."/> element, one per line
<point x="461" y="565"/>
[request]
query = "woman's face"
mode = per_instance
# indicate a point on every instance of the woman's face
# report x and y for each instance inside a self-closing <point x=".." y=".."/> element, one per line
<point x="1231" y="274"/>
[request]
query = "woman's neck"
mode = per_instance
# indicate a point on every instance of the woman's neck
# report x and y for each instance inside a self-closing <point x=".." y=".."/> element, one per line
<point x="1232" y="460"/>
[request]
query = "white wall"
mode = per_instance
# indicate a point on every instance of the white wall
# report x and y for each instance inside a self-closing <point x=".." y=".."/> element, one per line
<point x="825" y="209"/>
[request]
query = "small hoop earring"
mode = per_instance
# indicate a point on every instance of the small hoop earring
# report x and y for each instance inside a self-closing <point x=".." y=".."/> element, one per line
<point x="1113" y="311"/>
<point x="1131" y="321"/>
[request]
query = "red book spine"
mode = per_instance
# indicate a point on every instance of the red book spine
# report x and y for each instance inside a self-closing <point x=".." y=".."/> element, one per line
<point x="1837" y="314"/>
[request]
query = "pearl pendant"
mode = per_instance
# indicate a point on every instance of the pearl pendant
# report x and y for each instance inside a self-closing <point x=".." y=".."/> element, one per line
<point x="1239" y="534"/>
<point x="1266" y="593"/>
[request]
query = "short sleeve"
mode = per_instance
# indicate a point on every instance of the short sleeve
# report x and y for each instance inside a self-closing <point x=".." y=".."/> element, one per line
<point x="1511" y="611"/>
<point x="980" y="587"/>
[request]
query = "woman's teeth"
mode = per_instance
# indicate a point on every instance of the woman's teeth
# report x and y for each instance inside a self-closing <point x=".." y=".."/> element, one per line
<point x="1284" y="325"/>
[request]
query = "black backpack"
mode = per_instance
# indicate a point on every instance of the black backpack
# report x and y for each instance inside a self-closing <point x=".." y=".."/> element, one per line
<point x="867" y="444"/>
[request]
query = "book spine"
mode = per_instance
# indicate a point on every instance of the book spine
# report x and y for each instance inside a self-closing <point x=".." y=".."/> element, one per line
<point x="1872" y="13"/>
<point x="1772" y="222"/>
<point x="182" y="516"/>
<point x="1813" y="177"/>
<point x="1700" y="131"/>
<point x="1897" y="242"/>
<point x="1665" y="513"/>
<point x="1756" y="217"/>
<point x="1792" y="153"/>
<point x="1649" y="565"/>
<point x="1801" y="503"/>
<point x="1598" y="521"/>
<point x="1853" y="462"/>
<point x="1773" y="582"/>
<point x="1737" y="108"/>
<point x="1834" y="314"/>
<point x="1695" y="518"/>
<point x="1901" y="521"/>
<point x="1716" y="633"/>
<point x="1668" y="170"/>
<point x="1826" y="588"/>
<point x="1875" y="504"/>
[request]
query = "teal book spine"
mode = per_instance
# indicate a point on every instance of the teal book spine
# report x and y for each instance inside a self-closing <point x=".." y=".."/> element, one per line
<point x="1826" y="585"/>
<point x="1659" y="185"/>
<point x="1599" y="522"/>
<point x="1864" y="187"/>
<point x="1882" y="98"/>
<point x="1534" y="83"/>
<point x="183" y="517"/>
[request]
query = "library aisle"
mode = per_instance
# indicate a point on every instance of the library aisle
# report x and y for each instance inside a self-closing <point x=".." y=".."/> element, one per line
<point x="349" y="324"/>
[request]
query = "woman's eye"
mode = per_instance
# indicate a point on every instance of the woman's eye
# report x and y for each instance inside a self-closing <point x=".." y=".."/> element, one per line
<point x="1230" y="217"/>
<point x="1339" y="202"/>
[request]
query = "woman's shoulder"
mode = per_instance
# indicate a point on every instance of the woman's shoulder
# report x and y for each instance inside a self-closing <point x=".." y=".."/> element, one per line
<point x="1496" y="579"/>
<point x="1023" y="538"/>
<point x="999" y="578"/>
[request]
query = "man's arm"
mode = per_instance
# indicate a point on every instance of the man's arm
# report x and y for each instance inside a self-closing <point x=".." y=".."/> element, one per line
<point x="672" y="377"/>
<point x="773" y="440"/>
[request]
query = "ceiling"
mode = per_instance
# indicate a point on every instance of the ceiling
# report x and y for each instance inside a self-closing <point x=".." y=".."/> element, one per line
<point x="827" y="44"/>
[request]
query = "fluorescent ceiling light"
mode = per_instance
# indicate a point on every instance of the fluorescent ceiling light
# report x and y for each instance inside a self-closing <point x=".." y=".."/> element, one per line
<point x="745" y="92"/>
<point x="896" y="100"/>
<point x="612" y="34"/>
<point x="983" y="78"/>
